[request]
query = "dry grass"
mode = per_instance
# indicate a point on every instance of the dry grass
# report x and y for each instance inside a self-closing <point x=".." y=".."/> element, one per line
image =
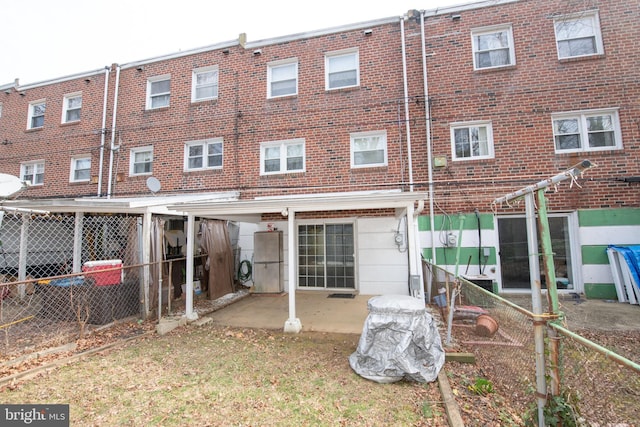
<point x="211" y="375"/>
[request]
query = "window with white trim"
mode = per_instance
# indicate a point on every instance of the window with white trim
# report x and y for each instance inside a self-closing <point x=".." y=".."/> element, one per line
<point x="368" y="149"/>
<point x="342" y="69"/>
<point x="282" y="78"/>
<point x="282" y="156"/>
<point x="206" y="154"/>
<point x="591" y="130"/>
<point x="204" y="83"/>
<point x="36" y="114"/>
<point x="80" y="169"/>
<point x="71" y="107"/>
<point x="32" y="172"/>
<point x="471" y="141"/>
<point x="493" y="47"/>
<point x="141" y="161"/>
<point x="578" y="35"/>
<point x="0" y="109"/>
<point x="158" y="92"/>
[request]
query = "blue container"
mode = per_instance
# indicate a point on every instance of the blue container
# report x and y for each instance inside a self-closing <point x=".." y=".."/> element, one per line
<point x="440" y="300"/>
<point x="68" y="281"/>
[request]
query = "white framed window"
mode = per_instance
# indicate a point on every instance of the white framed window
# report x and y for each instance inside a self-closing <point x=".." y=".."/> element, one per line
<point x="141" y="161"/>
<point x="493" y="47"/>
<point x="206" y="154"/>
<point x="36" y="114"/>
<point x="471" y="140"/>
<point x="158" y="92"/>
<point x="204" y="83"/>
<point x="282" y="78"/>
<point x="578" y="35"/>
<point x="32" y="172"/>
<point x="591" y="130"/>
<point x="80" y="169"/>
<point x="282" y="156"/>
<point x="368" y="149"/>
<point x="71" y="107"/>
<point x="0" y="109"/>
<point x="342" y="69"/>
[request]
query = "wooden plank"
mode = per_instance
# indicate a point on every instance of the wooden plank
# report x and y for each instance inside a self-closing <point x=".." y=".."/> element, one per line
<point x="460" y="357"/>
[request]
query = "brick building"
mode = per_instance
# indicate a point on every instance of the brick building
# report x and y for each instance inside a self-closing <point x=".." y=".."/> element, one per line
<point x="383" y="136"/>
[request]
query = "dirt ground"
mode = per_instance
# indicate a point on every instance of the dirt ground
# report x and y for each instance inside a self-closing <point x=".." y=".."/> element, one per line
<point x="590" y="314"/>
<point x="189" y="377"/>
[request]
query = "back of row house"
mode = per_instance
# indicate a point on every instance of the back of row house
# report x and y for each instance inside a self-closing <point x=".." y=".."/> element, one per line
<point x="503" y="93"/>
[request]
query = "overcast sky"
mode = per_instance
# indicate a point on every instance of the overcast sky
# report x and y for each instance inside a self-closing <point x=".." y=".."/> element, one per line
<point x="47" y="39"/>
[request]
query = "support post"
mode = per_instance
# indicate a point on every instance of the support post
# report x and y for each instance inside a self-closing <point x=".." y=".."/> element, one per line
<point x="191" y="238"/>
<point x="292" y="324"/>
<point x="552" y="291"/>
<point x="536" y="303"/>
<point x="77" y="243"/>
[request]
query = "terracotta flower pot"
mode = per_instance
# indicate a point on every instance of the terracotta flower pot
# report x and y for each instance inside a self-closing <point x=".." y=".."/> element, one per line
<point x="486" y="326"/>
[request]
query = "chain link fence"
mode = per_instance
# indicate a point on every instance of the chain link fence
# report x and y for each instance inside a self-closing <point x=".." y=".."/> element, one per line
<point x="597" y="386"/>
<point x="45" y="298"/>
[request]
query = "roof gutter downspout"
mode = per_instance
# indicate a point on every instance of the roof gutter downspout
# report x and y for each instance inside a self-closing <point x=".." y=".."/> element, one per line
<point x="427" y="111"/>
<point x="406" y="102"/>
<point x="103" y="131"/>
<point x="113" y="130"/>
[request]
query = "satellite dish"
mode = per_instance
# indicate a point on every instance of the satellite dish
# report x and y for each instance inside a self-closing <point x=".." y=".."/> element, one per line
<point x="10" y="185"/>
<point x="153" y="184"/>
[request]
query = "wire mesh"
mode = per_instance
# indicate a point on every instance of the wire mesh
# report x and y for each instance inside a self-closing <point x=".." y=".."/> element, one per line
<point x="43" y="301"/>
<point x="498" y="333"/>
<point x="599" y="390"/>
<point x="595" y="388"/>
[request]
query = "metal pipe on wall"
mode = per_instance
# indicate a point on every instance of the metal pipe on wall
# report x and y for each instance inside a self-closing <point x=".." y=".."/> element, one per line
<point x="103" y="131"/>
<point x="113" y="130"/>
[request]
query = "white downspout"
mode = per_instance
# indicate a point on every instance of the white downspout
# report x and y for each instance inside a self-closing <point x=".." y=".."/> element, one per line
<point x="427" y="111"/>
<point x="406" y="104"/>
<point x="103" y="130"/>
<point x="113" y="130"/>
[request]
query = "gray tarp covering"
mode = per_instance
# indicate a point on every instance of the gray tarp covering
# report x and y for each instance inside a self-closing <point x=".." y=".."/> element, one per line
<point x="399" y="340"/>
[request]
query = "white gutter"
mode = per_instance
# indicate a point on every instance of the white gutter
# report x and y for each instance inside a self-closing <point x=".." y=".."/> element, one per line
<point x="427" y="111"/>
<point x="103" y="130"/>
<point x="406" y="104"/>
<point x="113" y="130"/>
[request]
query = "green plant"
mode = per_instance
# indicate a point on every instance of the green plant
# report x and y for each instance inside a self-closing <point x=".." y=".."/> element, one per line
<point x="481" y="386"/>
<point x="559" y="409"/>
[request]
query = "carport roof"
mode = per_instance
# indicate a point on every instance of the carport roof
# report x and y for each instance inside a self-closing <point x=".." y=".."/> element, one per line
<point x="223" y="205"/>
<point x="250" y="210"/>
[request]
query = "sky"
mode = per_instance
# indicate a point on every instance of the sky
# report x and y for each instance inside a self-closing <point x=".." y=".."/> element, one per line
<point x="47" y="39"/>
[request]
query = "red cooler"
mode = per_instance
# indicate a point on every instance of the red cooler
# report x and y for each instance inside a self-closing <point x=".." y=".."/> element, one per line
<point x="104" y="278"/>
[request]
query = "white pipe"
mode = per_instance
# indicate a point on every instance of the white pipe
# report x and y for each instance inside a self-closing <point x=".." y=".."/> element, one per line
<point x="292" y="324"/>
<point x="113" y="130"/>
<point x="536" y="303"/>
<point x="103" y="130"/>
<point x="427" y="112"/>
<point x="406" y="104"/>
<point x="191" y="238"/>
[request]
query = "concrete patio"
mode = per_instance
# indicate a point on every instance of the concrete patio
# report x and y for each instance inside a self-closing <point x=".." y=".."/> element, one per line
<point x="317" y="311"/>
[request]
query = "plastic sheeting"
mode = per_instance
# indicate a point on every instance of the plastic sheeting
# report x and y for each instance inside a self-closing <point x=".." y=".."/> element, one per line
<point x="399" y="341"/>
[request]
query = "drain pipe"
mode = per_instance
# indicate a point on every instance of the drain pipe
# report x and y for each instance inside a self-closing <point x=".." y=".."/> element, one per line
<point x="113" y="130"/>
<point x="427" y="111"/>
<point x="406" y="101"/>
<point x="103" y="131"/>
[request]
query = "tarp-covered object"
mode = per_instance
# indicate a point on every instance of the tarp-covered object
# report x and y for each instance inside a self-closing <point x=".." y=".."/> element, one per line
<point x="399" y="340"/>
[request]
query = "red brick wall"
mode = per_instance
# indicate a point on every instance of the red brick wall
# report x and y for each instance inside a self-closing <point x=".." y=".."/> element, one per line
<point x="55" y="142"/>
<point x="518" y="100"/>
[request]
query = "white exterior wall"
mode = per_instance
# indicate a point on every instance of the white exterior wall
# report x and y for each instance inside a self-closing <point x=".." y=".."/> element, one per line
<point x="380" y="267"/>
